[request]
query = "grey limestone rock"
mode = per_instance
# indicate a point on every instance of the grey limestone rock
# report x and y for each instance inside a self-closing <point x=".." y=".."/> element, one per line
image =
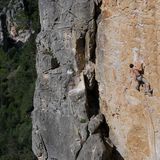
<point x="94" y="149"/>
<point x="60" y="101"/>
<point x="95" y="122"/>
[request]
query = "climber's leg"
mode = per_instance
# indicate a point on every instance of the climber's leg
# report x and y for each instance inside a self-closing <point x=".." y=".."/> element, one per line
<point x="147" y="87"/>
<point x="138" y="85"/>
<point x="139" y="82"/>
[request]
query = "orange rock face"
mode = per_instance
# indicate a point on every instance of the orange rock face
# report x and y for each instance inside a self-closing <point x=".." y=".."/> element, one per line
<point x="129" y="31"/>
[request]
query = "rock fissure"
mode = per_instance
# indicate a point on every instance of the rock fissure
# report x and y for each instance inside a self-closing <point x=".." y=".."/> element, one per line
<point x="97" y="124"/>
<point x="45" y="149"/>
<point x="80" y="53"/>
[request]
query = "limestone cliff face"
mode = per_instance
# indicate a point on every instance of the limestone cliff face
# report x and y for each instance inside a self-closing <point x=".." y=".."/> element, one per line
<point x="67" y="124"/>
<point x="129" y="32"/>
<point x="84" y="51"/>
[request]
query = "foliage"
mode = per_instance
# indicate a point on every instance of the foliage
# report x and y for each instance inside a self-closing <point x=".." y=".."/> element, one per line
<point x="31" y="9"/>
<point x="17" y="83"/>
<point x="17" y="76"/>
<point x="21" y="20"/>
<point x="82" y="120"/>
<point x="3" y="3"/>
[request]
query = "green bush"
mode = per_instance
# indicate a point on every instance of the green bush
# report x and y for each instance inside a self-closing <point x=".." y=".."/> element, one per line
<point x="82" y="120"/>
<point x="21" y="20"/>
<point x="3" y="3"/>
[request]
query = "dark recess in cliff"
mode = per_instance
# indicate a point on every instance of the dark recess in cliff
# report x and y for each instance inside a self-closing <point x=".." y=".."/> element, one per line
<point x="97" y="17"/>
<point x="92" y="99"/>
<point x="80" y="53"/>
<point x="92" y="93"/>
<point x="7" y="42"/>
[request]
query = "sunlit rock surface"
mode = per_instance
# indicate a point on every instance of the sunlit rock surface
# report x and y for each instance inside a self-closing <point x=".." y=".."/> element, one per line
<point x="129" y="32"/>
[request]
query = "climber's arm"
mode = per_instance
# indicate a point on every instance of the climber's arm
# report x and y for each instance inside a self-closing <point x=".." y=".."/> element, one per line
<point x="139" y="66"/>
<point x="133" y="75"/>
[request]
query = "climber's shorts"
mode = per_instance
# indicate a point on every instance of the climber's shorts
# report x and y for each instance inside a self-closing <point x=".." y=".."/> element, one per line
<point x="141" y="79"/>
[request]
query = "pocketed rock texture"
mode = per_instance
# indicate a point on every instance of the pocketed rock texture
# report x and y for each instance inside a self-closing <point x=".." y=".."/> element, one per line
<point x="63" y="101"/>
<point x="129" y="32"/>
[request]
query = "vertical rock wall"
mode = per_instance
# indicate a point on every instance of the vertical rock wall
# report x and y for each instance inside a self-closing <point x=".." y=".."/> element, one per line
<point x="129" y="32"/>
<point x="67" y="124"/>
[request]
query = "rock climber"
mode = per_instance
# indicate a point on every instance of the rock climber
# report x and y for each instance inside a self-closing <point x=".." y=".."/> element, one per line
<point x="137" y="72"/>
